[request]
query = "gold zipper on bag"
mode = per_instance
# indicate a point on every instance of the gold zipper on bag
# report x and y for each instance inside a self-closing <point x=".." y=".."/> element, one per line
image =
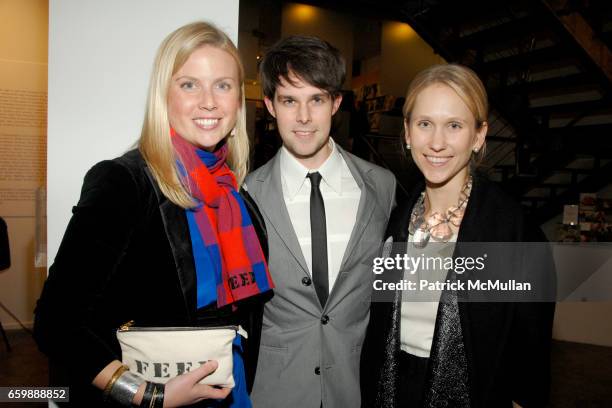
<point x="129" y="326"/>
<point x="126" y="326"/>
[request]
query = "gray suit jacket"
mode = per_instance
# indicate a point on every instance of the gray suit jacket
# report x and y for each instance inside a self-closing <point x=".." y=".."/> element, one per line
<point x="310" y="354"/>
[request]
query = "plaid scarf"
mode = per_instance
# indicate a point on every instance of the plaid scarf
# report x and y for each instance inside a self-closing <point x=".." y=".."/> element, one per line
<point x="223" y="238"/>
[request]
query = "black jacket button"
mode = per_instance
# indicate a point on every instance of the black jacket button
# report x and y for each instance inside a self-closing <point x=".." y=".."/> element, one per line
<point x="317" y="371"/>
<point x="325" y="319"/>
<point x="306" y="281"/>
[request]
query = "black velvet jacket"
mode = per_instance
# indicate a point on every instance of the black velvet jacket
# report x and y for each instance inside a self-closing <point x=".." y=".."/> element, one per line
<point x="507" y="345"/>
<point x="126" y="255"/>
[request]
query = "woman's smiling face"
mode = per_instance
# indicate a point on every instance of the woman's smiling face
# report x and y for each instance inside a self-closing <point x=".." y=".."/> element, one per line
<point x="204" y="97"/>
<point x="442" y="135"/>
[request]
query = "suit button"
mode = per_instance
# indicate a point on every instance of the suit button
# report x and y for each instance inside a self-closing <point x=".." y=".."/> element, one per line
<point x="306" y="281"/>
<point x="325" y="319"/>
<point x="317" y="371"/>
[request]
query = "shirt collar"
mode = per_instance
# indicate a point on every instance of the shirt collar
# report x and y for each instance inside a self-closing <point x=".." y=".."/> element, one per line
<point x="331" y="169"/>
<point x="294" y="173"/>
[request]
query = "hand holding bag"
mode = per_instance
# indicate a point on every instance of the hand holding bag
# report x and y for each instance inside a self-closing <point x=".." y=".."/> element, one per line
<point x="160" y="353"/>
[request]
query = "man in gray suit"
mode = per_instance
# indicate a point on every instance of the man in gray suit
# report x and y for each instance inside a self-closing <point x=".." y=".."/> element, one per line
<point x="325" y="212"/>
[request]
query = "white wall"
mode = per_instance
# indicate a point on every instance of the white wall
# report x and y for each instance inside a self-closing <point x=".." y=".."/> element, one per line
<point x="100" y="57"/>
<point x="584" y="321"/>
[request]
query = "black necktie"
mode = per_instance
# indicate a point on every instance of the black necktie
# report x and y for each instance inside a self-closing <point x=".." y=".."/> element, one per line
<point x="318" y="236"/>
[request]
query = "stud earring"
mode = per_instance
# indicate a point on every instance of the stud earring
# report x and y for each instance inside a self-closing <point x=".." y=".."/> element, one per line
<point x="408" y="146"/>
<point x="475" y="150"/>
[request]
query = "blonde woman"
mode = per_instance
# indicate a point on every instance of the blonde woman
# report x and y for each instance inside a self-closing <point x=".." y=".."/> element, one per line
<point x="446" y="352"/>
<point x="157" y="234"/>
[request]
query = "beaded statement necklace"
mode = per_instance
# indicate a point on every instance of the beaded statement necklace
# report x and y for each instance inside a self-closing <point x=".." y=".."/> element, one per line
<point x="437" y="226"/>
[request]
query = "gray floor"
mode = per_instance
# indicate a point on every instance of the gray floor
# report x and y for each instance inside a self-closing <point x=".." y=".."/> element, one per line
<point x="582" y="373"/>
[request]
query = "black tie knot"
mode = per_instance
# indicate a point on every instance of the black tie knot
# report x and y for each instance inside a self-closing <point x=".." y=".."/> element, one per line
<point x="315" y="179"/>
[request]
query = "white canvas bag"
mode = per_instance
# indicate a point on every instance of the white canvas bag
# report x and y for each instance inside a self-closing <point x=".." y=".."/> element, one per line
<point x="160" y="353"/>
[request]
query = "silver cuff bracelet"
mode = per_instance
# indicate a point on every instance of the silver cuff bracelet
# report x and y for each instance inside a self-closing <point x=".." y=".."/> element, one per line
<point x="125" y="388"/>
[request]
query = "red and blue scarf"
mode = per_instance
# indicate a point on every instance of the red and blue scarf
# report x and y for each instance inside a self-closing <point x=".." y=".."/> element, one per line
<point x="223" y="238"/>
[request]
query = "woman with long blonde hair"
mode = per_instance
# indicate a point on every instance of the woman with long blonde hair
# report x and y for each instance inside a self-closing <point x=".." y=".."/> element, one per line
<point x="161" y="237"/>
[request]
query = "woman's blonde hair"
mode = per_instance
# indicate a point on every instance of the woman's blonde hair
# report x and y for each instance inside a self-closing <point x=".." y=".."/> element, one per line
<point x="155" y="143"/>
<point x="460" y="79"/>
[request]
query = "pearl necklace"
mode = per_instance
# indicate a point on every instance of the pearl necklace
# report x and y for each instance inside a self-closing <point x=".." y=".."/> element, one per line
<point x="437" y="226"/>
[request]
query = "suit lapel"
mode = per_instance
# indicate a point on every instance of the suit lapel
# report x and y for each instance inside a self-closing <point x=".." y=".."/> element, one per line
<point x="274" y="209"/>
<point x="178" y="235"/>
<point x="367" y="203"/>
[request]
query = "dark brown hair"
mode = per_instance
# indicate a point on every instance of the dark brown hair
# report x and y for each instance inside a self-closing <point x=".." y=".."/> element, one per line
<point x="311" y="59"/>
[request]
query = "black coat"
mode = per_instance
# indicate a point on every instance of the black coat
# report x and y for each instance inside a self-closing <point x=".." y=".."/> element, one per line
<point x="126" y="255"/>
<point x="507" y="345"/>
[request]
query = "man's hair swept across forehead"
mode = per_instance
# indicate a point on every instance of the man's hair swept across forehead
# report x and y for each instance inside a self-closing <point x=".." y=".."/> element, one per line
<point x="311" y="59"/>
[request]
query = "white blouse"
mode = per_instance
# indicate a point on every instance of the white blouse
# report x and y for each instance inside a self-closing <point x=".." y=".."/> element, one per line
<point x="418" y="317"/>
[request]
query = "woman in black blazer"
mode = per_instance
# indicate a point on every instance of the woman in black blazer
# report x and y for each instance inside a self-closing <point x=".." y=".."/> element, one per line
<point x="458" y="353"/>
<point x="148" y="229"/>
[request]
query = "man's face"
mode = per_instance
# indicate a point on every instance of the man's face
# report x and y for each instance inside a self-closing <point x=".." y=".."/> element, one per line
<point x="303" y="115"/>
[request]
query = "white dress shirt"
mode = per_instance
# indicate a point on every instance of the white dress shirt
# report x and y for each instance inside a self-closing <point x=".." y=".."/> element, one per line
<point x="341" y="197"/>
